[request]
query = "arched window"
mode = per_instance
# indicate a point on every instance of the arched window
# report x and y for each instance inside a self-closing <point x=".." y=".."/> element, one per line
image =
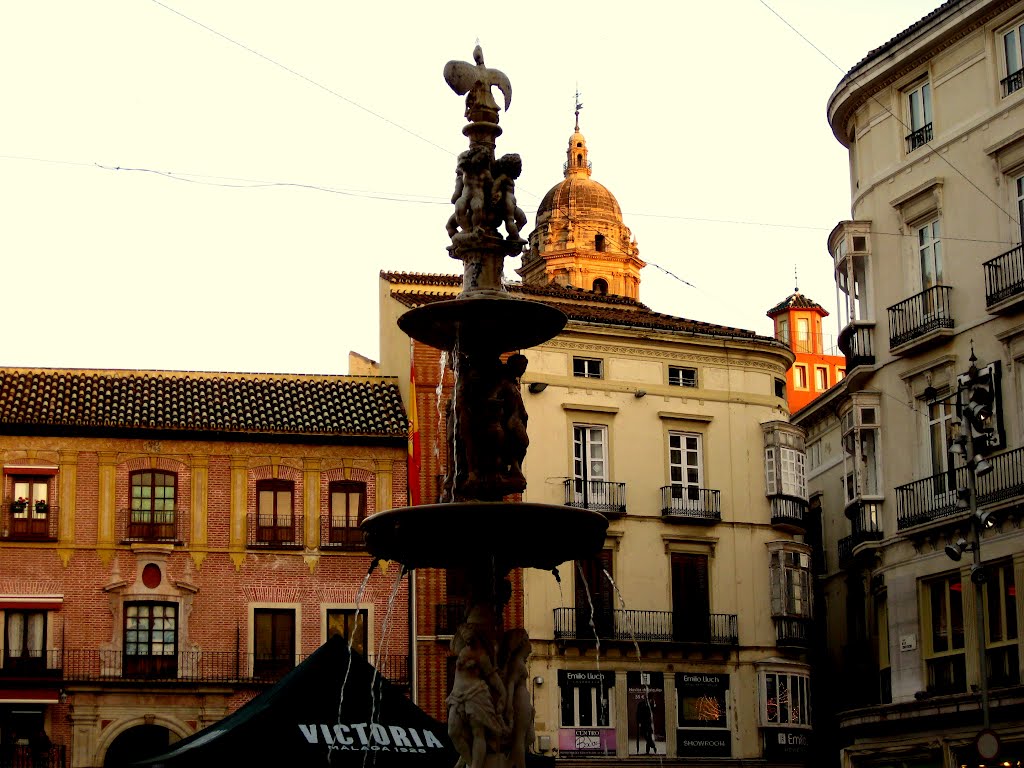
<point x="600" y="286"/>
<point x="579" y="161"/>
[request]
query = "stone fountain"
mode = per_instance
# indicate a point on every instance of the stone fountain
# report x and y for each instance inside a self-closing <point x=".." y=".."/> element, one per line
<point x="490" y="715"/>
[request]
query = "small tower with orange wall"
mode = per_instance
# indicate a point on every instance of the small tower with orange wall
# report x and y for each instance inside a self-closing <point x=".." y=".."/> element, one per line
<point x="798" y="323"/>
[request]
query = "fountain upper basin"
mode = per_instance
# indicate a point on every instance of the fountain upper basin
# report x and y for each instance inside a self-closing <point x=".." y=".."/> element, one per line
<point x="506" y="534"/>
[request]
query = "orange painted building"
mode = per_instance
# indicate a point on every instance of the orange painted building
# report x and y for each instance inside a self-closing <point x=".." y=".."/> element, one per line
<point x="798" y="324"/>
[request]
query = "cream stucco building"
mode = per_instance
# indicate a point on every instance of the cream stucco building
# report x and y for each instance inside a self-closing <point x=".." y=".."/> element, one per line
<point x="928" y="269"/>
<point x="678" y="432"/>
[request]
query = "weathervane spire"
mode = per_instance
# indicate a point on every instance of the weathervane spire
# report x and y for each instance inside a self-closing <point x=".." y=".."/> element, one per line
<point x="796" y="281"/>
<point x="579" y="106"/>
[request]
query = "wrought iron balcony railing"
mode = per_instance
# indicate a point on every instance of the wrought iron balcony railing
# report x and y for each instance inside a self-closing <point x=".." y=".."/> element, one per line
<point x="33" y="756"/>
<point x="598" y="495"/>
<point x="935" y="497"/>
<point x="919" y="315"/>
<point x="270" y="532"/>
<point x="646" y="626"/>
<point x="919" y="138"/>
<point x="792" y="631"/>
<point x="1004" y="276"/>
<point x="25" y="522"/>
<point x="789" y="512"/>
<point x="31" y="665"/>
<point x="691" y="504"/>
<point x="168" y="526"/>
<point x="334" y="534"/>
<point x="95" y="665"/>
<point x="856" y="342"/>
<point x="1012" y="82"/>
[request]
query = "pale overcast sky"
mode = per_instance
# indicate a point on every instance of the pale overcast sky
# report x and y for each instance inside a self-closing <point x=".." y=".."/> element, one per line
<point x="705" y="120"/>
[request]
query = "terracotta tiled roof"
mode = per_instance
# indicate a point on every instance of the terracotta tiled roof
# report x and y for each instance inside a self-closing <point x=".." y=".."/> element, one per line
<point x="585" y="306"/>
<point x="876" y="52"/>
<point x="795" y="301"/>
<point x="189" y="401"/>
<point x="421" y="278"/>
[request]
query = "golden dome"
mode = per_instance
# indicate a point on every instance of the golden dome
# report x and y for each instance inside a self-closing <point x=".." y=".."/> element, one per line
<point x="579" y="238"/>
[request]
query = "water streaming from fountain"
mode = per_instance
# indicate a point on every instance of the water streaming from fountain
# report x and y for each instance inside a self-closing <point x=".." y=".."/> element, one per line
<point x="385" y="641"/>
<point x="597" y="646"/>
<point x="439" y="402"/>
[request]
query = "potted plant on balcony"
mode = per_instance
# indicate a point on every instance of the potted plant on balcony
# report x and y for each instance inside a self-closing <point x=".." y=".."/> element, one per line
<point x="18" y="507"/>
<point x="42" y="508"/>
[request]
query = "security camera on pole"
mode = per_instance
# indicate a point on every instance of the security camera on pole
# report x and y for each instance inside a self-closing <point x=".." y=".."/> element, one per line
<point x="974" y="399"/>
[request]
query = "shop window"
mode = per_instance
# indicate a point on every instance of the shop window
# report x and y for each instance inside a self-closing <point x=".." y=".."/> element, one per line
<point x="944" y="637"/>
<point x="785" y="699"/>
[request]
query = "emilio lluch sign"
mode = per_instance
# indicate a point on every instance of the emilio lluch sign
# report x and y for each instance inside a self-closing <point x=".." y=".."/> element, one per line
<point x="703" y="715"/>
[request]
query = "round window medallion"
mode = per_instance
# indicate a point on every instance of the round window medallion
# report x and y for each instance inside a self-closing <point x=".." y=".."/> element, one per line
<point x="151" y="575"/>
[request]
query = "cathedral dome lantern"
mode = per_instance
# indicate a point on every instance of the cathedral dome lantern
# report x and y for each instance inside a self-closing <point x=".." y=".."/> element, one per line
<point x="580" y="239"/>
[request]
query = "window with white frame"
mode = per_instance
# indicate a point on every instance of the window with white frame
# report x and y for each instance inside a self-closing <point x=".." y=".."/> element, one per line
<point x="685" y="464"/>
<point x="820" y="378"/>
<point x="590" y="463"/>
<point x="919" y="115"/>
<point x="940" y="435"/>
<point x="790" y="575"/>
<point x="861" y="455"/>
<point x="929" y="250"/>
<point x="800" y="376"/>
<point x="682" y="377"/>
<point x="1013" y="60"/>
<point x="785" y="472"/>
<point x="585" y="706"/>
<point x="814" y="455"/>
<point x="587" y="367"/>
<point x="785" y="699"/>
<point x="1018" y="186"/>
<point x="840" y="373"/>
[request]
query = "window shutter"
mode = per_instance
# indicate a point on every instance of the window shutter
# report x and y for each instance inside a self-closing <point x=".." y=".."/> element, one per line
<point x="769" y="471"/>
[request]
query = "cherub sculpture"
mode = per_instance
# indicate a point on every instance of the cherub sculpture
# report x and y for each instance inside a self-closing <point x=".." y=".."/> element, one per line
<point x="515" y="650"/>
<point x="472" y="185"/>
<point x="476" y="80"/>
<point x="503" y="194"/>
<point x="478" y="698"/>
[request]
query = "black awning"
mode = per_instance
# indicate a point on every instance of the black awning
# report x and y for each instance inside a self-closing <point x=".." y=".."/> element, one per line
<point x="298" y="722"/>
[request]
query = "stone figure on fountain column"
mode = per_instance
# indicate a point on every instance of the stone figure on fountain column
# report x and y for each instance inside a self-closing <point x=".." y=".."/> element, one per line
<point x="519" y="713"/>
<point x="487" y="437"/>
<point x="476" y="80"/>
<point x="503" y="196"/>
<point x="478" y="699"/>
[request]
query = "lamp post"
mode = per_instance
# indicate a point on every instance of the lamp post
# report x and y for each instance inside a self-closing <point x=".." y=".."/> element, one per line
<point x="972" y="417"/>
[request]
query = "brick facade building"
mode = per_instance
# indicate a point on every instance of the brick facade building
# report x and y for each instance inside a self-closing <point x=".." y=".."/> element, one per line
<point x="173" y="542"/>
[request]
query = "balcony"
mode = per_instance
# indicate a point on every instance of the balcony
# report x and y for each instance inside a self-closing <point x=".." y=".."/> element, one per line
<point x="789" y="513"/>
<point x="689" y="504"/>
<point x="334" y="534"/>
<point x="792" y="631"/>
<point x="29" y="756"/>
<point x="919" y="138"/>
<point x="716" y="629"/>
<point x="934" y="498"/>
<point x="36" y="666"/>
<point x="864" y="521"/>
<point x="94" y="665"/>
<point x="168" y="526"/>
<point x="1004" y="280"/>
<point x="268" y="532"/>
<point x="1012" y="82"/>
<point x="20" y="523"/>
<point x="448" y="616"/>
<point x="599" y="495"/>
<point x="921" y="320"/>
<point x="856" y="342"/>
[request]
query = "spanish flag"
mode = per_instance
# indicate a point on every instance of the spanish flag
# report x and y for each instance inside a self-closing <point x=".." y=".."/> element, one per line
<point x="414" y="432"/>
